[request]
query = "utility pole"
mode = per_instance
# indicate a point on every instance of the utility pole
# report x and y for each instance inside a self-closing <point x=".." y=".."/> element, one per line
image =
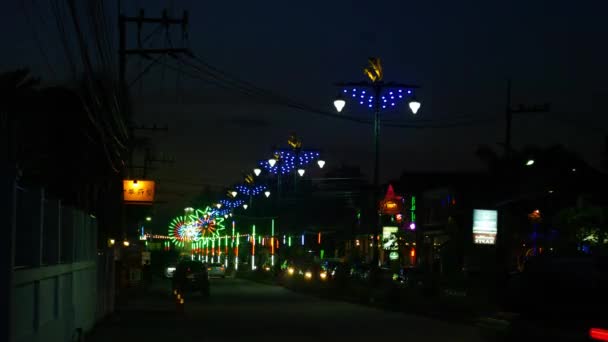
<point x="124" y="51"/>
<point x="382" y="93"/>
<point x="509" y="118"/>
<point x="520" y="109"/>
<point x="149" y="159"/>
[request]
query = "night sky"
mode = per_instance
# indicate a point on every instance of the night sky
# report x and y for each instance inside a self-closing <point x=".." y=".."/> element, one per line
<point x="460" y="52"/>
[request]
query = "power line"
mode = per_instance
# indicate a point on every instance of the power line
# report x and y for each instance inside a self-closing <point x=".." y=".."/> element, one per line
<point x="36" y="38"/>
<point x="226" y="81"/>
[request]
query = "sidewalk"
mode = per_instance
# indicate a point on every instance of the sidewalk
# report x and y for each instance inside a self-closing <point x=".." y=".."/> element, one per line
<point x="149" y="316"/>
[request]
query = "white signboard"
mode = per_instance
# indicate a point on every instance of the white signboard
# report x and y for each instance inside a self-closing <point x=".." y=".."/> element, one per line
<point x="485" y="226"/>
<point x="389" y="238"/>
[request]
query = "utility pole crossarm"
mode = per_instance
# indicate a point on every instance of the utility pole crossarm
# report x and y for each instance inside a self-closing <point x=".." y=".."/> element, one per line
<point x="382" y="84"/>
<point x="544" y="108"/>
<point x="153" y="20"/>
<point x="156" y="51"/>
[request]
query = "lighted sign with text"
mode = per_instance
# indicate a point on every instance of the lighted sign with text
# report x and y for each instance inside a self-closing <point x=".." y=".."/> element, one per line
<point x="138" y="191"/>
<point x="485" y="226"/>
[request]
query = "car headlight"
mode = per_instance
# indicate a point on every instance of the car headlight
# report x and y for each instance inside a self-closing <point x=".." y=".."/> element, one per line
<point x="308" y="275"/>
<point x="290" y="271"/>
<point x="170" y="269"/>
<point x="323" y="275"/>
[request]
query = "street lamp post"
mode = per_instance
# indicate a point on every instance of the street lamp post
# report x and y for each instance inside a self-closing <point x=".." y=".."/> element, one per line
<point x="383" y="95"/>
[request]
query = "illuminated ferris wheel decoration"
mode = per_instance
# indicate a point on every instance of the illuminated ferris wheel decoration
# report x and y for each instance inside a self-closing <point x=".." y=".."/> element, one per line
<point x="181" y="230"/>
<point x="209" y="222"/>
<point x="200" y="225"/>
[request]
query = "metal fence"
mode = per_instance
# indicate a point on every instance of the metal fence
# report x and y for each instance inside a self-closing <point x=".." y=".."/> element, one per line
<point x="59" y="282"/>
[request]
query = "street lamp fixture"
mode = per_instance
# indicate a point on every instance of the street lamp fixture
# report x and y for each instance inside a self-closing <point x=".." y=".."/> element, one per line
<point x="267" y="193"/>
<point x="272" y="161"/>
<point x="218" y="205"/>
<point x="245" y="206"/>
<point x="339" y="103"/>
<point x="234" y="193"/>
<point x="301" y="172"/>
<point x="321" y="163"/>
<point x="530" y="162"/>
<point x="414" y="105"/>
<point x="226" y="216"/>
<point x="257" y="171"/>
<point x="126" y="243"/>
<point x="148" y="218"/>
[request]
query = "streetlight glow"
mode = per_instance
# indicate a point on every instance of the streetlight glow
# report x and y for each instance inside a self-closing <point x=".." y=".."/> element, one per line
<point x="414" y="106"/>
<point x="257" y="171"/>
<point x="245" y="206"/>
<point x="339" y="103"/>
<point x="272" y="161"/>
<point x="530" y="162"/>
<point x="301" y="172"/>
<point x="218" y="205"/>
<point x="148" y="218"/>
<point x="321" y="163"/>
<point x="233" y="193"/>
<point x="267" y="193"/>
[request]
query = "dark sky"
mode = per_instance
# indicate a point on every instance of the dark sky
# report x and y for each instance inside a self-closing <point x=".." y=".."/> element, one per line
<point x="460" y="52"/>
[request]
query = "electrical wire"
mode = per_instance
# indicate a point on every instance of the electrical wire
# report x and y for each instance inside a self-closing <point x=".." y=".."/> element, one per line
<point x="30" y="23"/>
<point x="227" y="81"/>
<point x="56" y="11"/>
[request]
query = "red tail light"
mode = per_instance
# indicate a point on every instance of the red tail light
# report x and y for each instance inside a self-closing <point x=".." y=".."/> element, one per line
<point x="598" y="334"/>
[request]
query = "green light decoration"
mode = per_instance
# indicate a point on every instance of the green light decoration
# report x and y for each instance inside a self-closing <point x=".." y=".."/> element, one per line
<point x="272" y="227"/>
<point x="413" y="209"/>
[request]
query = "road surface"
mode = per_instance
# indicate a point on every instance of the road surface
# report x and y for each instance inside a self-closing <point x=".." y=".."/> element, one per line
<point x="240" y="310"/>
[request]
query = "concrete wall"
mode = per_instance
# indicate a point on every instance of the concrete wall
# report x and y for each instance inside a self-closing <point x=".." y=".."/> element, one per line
<point x="57" y="286"/>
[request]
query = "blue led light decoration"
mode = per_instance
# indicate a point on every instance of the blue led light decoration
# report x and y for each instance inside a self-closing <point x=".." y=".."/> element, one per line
<point x="250" y="190"/>
<point x="221" y="212"/>
<point x="389" y="97"/>
<point x="231" y="203"/>
<point x="290" y="160"/>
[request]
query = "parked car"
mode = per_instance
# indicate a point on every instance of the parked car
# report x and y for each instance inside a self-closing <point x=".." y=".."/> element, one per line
<point x="216" y="270"/>
<point x="410" y="277"/>
<point x="191" y="276"/>
<point x="554" y="299"/>
<point x="360" y="271"/>
<point x="170" y="270"/>
<point x="336" y="270"/>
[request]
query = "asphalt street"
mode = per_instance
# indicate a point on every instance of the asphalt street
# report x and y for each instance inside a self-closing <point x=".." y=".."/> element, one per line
<point x="239" y="310"/>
